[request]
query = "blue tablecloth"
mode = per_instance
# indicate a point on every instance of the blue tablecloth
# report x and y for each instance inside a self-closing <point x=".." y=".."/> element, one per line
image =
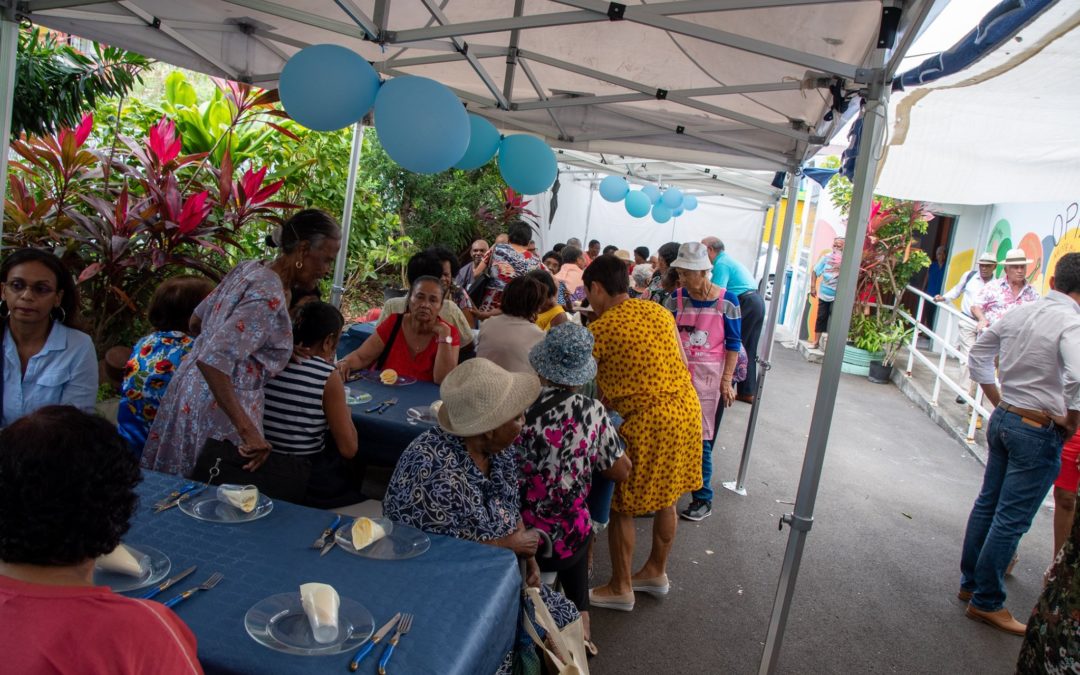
<point x="353" y="336"/>
<point x="382" y="438"/>
<point x="465" y="595"/>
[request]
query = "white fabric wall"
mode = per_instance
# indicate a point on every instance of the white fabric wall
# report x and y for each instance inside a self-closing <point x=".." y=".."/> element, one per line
<point x="738" y="226"/>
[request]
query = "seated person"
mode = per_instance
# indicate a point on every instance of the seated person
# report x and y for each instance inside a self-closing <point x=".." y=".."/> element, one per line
<point x="300" y="296"/>
<point x="417" y="343"/>
<point x="460" y="480"/>
<point x="454" y="293"/>
<point x="565" y="439"/>
<point x="52" y="528"/>
<point x="422" y="264"/>
<point x="639" y="281"/>
<point x="552" y="261"/>
<point x="506" y="338"/>
<point x="307" y="399"/>
<point x="46" y="358"/>
<point x="551" y="312"/>
<point x="156" y="357"/>
<point x="570" y="274"/>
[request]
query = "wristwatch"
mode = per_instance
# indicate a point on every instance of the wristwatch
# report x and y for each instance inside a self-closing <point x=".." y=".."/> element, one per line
<point x="448" y="340"/>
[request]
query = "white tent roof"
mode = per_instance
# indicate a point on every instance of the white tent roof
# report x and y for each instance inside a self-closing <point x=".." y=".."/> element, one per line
<point x="1003" y="130"/>
<point x="740" y="84"/>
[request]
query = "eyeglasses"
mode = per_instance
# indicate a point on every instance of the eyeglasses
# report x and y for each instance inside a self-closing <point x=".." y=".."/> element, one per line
<point x="40" y="289"/>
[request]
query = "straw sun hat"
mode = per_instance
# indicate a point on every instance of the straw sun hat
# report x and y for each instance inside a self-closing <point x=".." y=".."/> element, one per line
<point x="1016" y="256"/>
<point x="478" y="396"/>
<point x="987" y="259"/>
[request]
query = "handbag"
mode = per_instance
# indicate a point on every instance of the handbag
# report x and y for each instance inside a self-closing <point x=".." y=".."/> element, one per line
<point x="282" y="475"/>
<point x="740" y="367"/>
<point x="479" y="287"/>
<point x="563" y="650"/>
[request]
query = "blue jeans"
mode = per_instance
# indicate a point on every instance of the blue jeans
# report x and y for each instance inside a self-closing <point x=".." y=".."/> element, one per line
<point x="1021" y="467"/>
<point x="706" y="491"/>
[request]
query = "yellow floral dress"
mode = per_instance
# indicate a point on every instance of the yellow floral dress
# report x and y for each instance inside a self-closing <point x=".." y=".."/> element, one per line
<point x="642" y="376"/>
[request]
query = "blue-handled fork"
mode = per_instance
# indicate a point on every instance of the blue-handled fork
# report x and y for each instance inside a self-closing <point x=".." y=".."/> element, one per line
<point x="403" y="627"/>
<point x="204" y="586"/>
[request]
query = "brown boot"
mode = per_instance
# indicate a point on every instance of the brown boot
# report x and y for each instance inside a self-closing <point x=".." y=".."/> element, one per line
<point x="964" y="596"/>
<point x="1001" y="619"/>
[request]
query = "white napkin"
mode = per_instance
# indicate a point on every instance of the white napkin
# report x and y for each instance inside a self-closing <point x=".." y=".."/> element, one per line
<point x="321" y="603"/>
<point x="366" y="532"/>
<point x="243" y="497"/>
<point x="124" y="560"/>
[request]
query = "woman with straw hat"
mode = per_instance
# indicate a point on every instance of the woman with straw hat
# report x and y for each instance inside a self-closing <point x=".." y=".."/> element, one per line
<point x="460" y="479"/>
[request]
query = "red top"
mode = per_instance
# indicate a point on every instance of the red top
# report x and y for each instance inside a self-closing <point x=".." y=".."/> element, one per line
<point x="401" y="360"/>
<point x="90" y="630"/>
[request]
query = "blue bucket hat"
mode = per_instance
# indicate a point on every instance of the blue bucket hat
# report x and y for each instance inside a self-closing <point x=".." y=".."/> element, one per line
<point x="564" y="356"/>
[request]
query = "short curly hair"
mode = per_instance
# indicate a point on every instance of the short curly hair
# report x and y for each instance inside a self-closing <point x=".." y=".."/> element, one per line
<point x="67" y="488"/>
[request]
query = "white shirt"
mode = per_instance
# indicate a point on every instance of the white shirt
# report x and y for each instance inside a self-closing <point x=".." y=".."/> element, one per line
<point x="1038" y="345"/>
<point x="970" y="288"/>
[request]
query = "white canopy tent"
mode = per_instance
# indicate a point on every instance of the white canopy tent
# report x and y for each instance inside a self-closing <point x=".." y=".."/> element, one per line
<point x="1002" y="130"/>
<point x="739" y="84"/>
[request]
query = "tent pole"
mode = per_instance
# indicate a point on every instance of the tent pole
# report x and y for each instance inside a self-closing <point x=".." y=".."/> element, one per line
<point x="346" y="217"/>
<point x="769" y="251"/>
<point x="802" y="517"/>
<point x="738" y="486"/>
<point x="816" y="195"/>
<point x="760" y="237"/>
<point x="9" y="46"/>
<point x="588" y="214"/>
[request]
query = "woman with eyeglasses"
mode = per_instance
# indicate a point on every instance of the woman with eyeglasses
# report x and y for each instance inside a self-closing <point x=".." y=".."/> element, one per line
<point x="47" y="360"/>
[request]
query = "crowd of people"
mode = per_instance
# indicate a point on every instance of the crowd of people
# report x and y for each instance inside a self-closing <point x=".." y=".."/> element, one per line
<point x="579" y="388"/>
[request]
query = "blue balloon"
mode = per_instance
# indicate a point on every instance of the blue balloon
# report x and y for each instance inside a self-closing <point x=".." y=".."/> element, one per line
<point x="677" y="212"/>
<point x="614" y="188"/>
<point x="689" y="202"/>
<point x="652" y="192"/>
<point x="483" y="144"/>
<point x="527" y="164"/>
<point x="327" y="87"/>
<point x="672" y="198"/>
<point x="421" y="124"/>
<point x="637" y="203"/>
<point x="661" y="213"/>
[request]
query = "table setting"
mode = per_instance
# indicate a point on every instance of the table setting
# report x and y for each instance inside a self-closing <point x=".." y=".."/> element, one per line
<point x="264" y="589"/>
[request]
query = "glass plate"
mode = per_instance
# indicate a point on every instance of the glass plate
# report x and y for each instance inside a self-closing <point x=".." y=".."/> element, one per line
<point x="279" y="622"/>
<point x="402" y="542"/>
<point x="356" y="397"/>
<point x="421" y="415"/>
<point x="208" y="507"/>
<point x="121" y="583"/>
<point x="402" y="380"/>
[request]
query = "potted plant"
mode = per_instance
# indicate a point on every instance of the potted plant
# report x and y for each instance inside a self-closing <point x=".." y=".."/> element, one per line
<point x="891" y="337"/>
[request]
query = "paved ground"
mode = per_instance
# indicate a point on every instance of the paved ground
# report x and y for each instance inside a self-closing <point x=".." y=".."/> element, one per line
<point x="876" y="592"/>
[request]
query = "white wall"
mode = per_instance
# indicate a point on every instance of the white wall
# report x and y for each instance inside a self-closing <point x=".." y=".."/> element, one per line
<point x="738" y="226"/>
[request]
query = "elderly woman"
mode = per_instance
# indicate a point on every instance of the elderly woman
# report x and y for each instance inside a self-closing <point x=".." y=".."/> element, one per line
<point x="709" y="329"/>
<point x="67" y="492"/>
<point x="460" y="479"/>
<point x="569" y="275"/>
<point x="46" y="359"/>
<point x="639" y="281"/>
<point x="245" y="338"/>
<point x="506" y="262"/>
<point x="417" y="343"/>
<point x="641" y="374"/>
<point x="665" y="255"/>
<point x="565" y="439"/>
<point x="507" y="337"/>
<point x="157" y="356"/>
<point x="427" y="263"/>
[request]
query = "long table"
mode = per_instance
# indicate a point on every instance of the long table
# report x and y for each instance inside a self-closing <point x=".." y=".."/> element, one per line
<point x="383" y="437"/>
<point x="465" y="595"/>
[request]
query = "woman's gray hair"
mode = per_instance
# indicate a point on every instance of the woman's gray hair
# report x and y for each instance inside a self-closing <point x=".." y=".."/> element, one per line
<point x="642" y="274"/>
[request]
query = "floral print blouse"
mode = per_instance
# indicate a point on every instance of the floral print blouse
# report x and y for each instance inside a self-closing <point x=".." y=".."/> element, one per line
<point x="566" y="437"/>
<point x="997" y="297"/>
<point x="153" y="362"/>
<point x="506" y="265"/>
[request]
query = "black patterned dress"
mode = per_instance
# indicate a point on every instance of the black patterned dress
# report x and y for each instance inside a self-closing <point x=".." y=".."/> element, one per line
<point x="1052" y="641"/>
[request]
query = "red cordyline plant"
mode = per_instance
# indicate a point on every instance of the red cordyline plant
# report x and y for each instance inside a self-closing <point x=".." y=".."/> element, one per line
<point x="513" y="209"/>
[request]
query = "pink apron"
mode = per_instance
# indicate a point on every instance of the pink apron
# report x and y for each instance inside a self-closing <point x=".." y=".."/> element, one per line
<point x="701" y="333"/>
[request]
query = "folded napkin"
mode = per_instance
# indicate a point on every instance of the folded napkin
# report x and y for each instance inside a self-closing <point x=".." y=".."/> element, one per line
<point x="321" y="603"/>
<point x="124" y="560"/>
<point x="243" y="497"/>
<point x="366" y="532"/>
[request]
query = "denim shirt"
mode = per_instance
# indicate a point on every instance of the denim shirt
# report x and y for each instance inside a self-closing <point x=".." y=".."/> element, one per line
<point x="64" y="372"/>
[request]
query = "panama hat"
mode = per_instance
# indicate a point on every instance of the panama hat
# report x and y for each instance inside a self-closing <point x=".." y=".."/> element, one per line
<point x="693" y="256"/>
<point x="564" y="356"/>
<point x="623" y="254"/>
<point x="987" y="259"/>
<point x="478" y="396"/>
<point x="1016" y="256"/>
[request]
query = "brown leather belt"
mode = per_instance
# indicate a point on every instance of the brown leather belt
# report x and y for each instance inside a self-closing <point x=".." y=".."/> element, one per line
<point x="1030" y="416"/>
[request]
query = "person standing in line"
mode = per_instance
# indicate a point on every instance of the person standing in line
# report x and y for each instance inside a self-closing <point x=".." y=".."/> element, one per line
<point x="971" y="284"/>
<point x="828" y="270"/>
<point x="729" y="273"/>
<point x="1037" y="347"/>
<point x="1010" y="291"/>
<point x="467" y="273"/>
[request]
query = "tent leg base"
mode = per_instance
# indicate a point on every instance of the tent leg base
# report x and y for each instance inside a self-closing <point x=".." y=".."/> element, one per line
<point x="734" y="487"/>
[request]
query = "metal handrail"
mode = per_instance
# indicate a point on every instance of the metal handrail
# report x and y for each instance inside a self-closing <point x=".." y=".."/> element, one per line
<point x="941" y="376"/>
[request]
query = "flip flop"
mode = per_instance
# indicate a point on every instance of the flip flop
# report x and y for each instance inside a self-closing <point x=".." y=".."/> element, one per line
<point x="590" y="648"/>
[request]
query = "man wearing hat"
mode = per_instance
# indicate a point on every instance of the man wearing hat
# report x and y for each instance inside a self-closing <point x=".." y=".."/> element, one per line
<point x="1037" y="347"/>
<point x="971" y="284"/>
<point x="1012" y="290"/>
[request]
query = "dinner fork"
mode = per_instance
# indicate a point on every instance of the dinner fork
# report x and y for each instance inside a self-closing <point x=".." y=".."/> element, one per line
<point x="387" y="405"/>
<point x="204" y="586"/>
<point x="377" y="408"/>
<point x="403" y="627"/>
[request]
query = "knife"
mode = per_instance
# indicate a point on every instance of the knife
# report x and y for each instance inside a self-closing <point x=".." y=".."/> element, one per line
<point x="327" y="533"/>
<point x="379" y="635"/>
<point x="175" y="494"/>
<point x="166" y="584"/>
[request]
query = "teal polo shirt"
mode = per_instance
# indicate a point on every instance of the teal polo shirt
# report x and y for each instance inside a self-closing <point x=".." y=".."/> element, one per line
<point x="729" y="273"/>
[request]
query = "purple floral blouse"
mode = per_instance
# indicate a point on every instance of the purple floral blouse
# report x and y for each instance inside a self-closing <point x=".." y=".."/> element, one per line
<point x="246" y="334"/>
<point x="566" y="437"/>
